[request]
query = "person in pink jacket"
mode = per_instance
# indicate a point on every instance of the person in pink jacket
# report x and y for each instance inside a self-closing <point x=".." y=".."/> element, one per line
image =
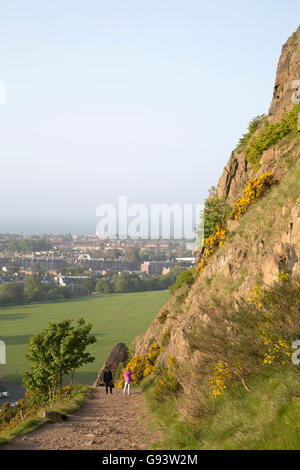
<point x="127" y="376"/>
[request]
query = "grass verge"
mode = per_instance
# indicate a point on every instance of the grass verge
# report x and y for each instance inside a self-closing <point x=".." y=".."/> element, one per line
<point x="267" y="418"/>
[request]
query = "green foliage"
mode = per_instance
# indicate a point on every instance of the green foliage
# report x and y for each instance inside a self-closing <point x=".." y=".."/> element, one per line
<point x="11" y="293"/>
<point x="252" y="127"/>
<point x="104" y="286"/>
<point x="57" y="351"/>
<point x="271" y="134"/>
<point x="25" y="245"/>
<point x="89" y="285"/>
<point x="31" y="290"/>
<point x="259" y="332"/>
<point x="126" y="282"/>
<point x="130" y="282"/>
<point x="131" y="255"/>
<point x="185" y="279"/>
<point x="267" y="418"/>
<point x="215" y="212"/>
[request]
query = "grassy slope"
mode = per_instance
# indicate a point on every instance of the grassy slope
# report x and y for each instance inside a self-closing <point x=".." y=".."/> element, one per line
<point x="116" y="318"/>
<point x="266" y="418"/>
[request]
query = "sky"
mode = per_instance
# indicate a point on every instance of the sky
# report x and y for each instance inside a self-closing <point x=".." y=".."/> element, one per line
<point x="139" y="98"/>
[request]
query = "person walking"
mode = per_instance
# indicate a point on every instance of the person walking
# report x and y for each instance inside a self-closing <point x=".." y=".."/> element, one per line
<point x="127" y="376"/>
<point x="107" y="380"/>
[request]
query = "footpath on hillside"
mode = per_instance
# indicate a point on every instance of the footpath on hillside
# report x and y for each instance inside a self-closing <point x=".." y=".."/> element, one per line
<point x="105" y="422"/>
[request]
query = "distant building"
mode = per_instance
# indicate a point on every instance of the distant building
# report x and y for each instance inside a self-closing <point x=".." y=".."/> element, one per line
<point x="75" y="283"/>
<point x="156" y="268"/>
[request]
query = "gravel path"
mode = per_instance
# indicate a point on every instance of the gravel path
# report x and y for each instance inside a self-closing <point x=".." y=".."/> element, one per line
<point x="106" y="422"/>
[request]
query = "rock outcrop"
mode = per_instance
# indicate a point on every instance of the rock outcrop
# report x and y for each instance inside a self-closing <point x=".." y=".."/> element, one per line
<point x="238" y="172"/>
<point x="263" y="242"/>
<point x="288" y="71"/>
<point x="118" y="354"/>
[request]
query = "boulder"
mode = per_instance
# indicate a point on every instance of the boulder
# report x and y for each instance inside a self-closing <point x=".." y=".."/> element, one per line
<point x="118" y="353"/>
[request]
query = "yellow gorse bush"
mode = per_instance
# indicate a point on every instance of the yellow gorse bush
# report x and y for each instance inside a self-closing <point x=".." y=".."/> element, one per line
<point x="276" y="347"/>
<point x="165" y="377"/>
<point x="221" y="375"/>
<point x="141" y="366"/>
<point x="254" y="190"/>
<point x="211" y="244"/>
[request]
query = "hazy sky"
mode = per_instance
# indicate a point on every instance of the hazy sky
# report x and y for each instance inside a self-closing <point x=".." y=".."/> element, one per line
<point x="139" y="98"/>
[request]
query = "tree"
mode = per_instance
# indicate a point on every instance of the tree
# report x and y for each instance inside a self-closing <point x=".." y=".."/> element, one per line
<point x="89" y="285"/>
<point x="11" y="293"/>
<point x="54" y="353"/>
<point x="112" y="253"/>
<point x="124" y="282"/>
<point x="104" y="286"/>
<point x="33" y="288"/>
<point x="131" y="255"/>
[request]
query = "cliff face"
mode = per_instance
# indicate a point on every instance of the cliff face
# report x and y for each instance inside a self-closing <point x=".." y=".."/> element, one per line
<point x="265" y="240"/>
<point x="288" y="71"/>
<point x="237" y="171"/>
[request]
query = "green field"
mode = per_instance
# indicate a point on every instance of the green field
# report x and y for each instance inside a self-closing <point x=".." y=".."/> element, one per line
<point x="116" y="318"/>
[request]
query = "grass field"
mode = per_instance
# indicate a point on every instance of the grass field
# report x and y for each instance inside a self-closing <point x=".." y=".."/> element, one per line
<point x="116" y="318"/>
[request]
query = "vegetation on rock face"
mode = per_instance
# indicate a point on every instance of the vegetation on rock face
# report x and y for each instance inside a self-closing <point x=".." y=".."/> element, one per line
<point x="216" y="209"/>
<point x="163" y="373"/>
<point x="270" y="135"/>
<point x="259" y="332"/>
<point x="252" y="127"/>
<point x="245" y="370"/>
<point x="186" y="278"/>
<point x="255" y="189"/>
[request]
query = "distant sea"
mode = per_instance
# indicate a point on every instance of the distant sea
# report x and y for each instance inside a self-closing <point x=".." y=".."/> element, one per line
<point x="48" y="225"/>
<point x="51" y="225"/>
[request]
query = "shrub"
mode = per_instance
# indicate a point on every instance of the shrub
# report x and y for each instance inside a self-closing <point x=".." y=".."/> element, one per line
<point x="215" y="211"/>
<point x="255" y="189"/>
<point x="252" y="127"/>
<point x="163" y="315"/>
<point x="240" y="338"/>
<point x="270" y="135"/>
<point x="165" y="377"/>
<point x="141" y="366"/>
<point x="186" y="278"/>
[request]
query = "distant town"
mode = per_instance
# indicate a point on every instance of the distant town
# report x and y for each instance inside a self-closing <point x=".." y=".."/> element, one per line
<point x="60" y="266"/>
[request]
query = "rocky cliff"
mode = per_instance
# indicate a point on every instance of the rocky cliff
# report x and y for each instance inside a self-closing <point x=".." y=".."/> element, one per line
<point x="265" y="240"/>
<point x="238" y="171"/>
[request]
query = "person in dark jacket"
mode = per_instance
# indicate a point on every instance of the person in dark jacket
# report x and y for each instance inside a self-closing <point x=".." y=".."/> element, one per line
<point x="107" y="379"/>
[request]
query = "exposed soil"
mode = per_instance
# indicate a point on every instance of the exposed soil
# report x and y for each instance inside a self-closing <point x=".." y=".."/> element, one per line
<point x="106" y="422"/>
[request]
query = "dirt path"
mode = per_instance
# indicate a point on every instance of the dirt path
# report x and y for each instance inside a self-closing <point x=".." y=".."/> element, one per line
<point x="106" y="422"/>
